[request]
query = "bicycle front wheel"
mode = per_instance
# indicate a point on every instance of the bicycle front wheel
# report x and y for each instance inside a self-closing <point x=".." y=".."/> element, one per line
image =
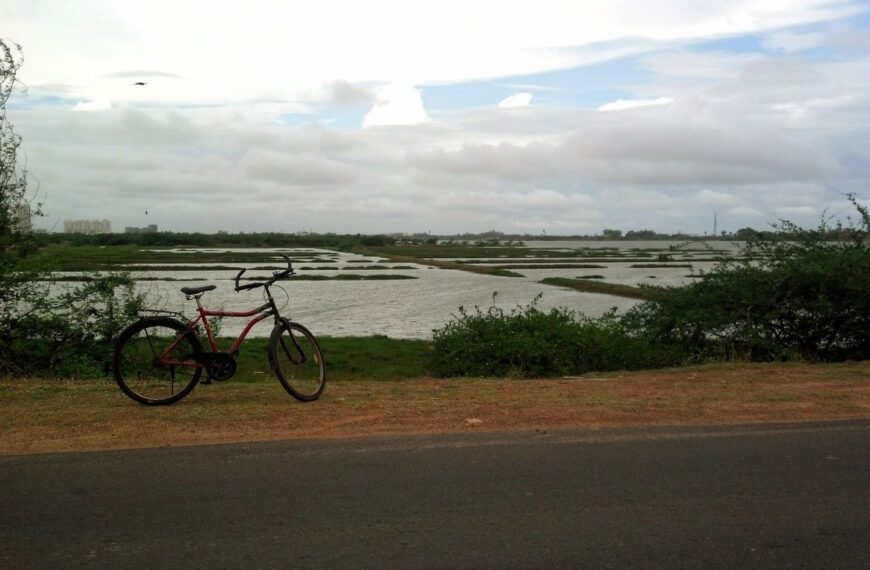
<point x="156" y="362"/>
<point x="297" y="361"/>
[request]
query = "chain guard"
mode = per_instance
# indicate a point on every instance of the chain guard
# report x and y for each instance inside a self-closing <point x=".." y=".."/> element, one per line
<point x="220" y="366"/>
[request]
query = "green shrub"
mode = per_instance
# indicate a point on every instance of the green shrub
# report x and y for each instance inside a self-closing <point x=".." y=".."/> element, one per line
<point x="69" y="334"/>
<point x="528" y="342"/>
<point x="798" y="296"/>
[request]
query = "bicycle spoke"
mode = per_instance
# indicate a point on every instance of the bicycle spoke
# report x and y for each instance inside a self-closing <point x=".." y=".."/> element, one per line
<point x="296" y="359"/>
<point x="157" y="364"/>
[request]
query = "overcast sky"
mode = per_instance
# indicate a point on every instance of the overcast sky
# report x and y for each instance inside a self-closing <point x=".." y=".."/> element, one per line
<point x="452" y="116"/>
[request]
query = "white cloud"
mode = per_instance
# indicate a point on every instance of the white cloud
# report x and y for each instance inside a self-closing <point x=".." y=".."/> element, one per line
<point x="225" y="124"/>
<point x="533" y="87"/>
<point x="346" y="95"/>
<point x="246" y="51"/>
<point x="744" y="212"/>
<point x="623" y="104"/>
<point x="396" y="104"/>
<point x="715" y="198"/>
<point x="97" y="105"/>
<point x="700" y="145"/>
<point x="791" y="42"/>
<point x="516" y="100"/>
<point x="797" y="210"/>
<point x="547" y="200"/>
<point x="688" y="65"/>
<point x="289" y="168"/>
<point x="521" y="211"/>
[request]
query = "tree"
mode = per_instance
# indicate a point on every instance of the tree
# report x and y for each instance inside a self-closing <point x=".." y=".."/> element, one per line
<point x="746" y="234"/>
<point x="16" y="288"/>
<point x="13" y="179"/>
<point x="43" y="331"/>
<point x="640" y="235"/>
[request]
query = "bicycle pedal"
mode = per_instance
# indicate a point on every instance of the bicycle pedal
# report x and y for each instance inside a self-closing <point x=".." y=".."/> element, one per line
<point x="207" y="381"/>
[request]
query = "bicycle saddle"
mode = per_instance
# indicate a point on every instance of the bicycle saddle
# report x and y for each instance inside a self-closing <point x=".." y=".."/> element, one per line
<point x="197" y="290"/>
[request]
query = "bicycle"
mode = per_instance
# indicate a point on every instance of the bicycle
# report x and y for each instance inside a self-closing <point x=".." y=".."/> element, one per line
<point x="158" y="359"/>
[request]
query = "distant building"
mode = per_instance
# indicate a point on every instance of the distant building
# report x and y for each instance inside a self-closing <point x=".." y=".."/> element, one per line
<point x="22" y="218"/>
<point x="149" y="229"/>
<point x="87" y="227"/>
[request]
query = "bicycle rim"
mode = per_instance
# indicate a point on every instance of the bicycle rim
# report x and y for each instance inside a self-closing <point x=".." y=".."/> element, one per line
<point x="298" y="362"/>
<point x="141" y="374"/>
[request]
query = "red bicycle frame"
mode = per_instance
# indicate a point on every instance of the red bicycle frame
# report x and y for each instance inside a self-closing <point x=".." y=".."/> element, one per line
<point x="263" y="312"/>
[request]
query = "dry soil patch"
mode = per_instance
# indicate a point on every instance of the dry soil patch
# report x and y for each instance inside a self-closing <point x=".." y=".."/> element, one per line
<point x="49" y="416"/>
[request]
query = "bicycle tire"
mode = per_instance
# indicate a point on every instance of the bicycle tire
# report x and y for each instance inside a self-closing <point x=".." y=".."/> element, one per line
<point x="138" y="375"/>
<point x="297" y="361"/>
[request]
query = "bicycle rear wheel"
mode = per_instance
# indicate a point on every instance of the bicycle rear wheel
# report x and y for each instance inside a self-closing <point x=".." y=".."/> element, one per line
<point x="297" y="361"/>
<point x="142" y="376"/>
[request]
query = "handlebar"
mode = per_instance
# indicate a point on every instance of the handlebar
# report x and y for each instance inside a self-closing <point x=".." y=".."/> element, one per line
<point x="276" y="276"/>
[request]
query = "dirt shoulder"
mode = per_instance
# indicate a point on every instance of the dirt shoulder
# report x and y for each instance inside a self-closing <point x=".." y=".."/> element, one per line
<point x="38" y="416"/>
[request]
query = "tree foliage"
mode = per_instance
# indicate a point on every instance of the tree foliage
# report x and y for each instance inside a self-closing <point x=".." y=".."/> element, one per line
<point x="254" y="239"/>
<point x="65" y="331"/>
<point x="13" y="179"/>
<point x="798" y="295"/>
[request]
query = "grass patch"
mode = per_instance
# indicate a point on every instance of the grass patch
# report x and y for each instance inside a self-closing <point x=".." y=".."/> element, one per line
<point x="347" y="358"/>
<point x="547" y="261"/>
<point x="297" y="277"/>
<point x="376" y="358"/>
<point x="482" y="259"/>
<point x="58" y="257"/>
<point x="377" y="267"/>
<point x="444" y="264"/>
<point x="342" y="277"/>
<point x="659" y="265"/>
<point x="552" y="266"/>
<point x="603" y="288"/>
<point x="90" y="278"/>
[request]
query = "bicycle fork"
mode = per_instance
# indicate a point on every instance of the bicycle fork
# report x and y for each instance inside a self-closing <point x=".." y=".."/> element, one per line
<point x="302" y="358"/>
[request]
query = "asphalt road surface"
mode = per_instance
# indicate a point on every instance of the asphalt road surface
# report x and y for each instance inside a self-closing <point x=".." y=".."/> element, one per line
<point x="784" y="496"/>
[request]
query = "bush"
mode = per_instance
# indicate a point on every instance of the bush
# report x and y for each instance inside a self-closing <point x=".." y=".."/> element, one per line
<point x="796" y="294"/>
<point x="800" y="295"/>
<point x="527" y="342"/>
<point x="69" y="334"/>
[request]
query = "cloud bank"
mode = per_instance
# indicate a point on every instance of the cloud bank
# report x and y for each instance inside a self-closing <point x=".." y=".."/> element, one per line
<point x="332" y="117"/>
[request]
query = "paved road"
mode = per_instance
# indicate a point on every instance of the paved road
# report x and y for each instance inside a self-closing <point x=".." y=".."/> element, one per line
<point x="787" y="496"/>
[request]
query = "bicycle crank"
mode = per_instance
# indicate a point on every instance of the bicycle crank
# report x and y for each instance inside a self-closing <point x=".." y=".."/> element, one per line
<point x="220" y="366"/>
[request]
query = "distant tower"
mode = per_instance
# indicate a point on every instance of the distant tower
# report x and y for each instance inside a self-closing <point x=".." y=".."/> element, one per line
<point x="22" y="218"/>
<point x="715" y="224"/>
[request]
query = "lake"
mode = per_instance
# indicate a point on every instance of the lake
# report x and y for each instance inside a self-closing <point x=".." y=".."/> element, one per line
<point x="412" y="308"/>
